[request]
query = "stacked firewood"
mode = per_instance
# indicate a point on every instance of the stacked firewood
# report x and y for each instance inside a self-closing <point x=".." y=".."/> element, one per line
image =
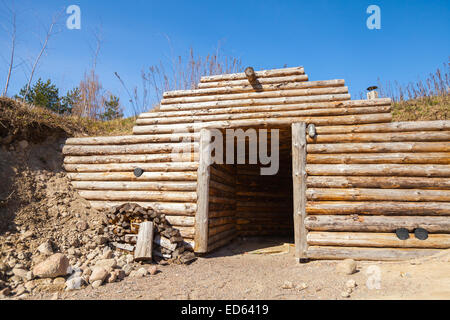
<point x="123" y="228"/>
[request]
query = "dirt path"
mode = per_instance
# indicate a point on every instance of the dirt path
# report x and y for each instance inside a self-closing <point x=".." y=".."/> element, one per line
<point x="231" y="273"/>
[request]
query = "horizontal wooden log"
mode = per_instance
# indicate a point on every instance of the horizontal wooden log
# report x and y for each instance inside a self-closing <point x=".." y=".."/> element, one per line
<point x="165" y="157"/>
<point x="258" y="102"/>
<point x="135" y="185"/>
<point x="282" y="114"/>
<point x="378" y="208"/>
<point x="219" y="221"/>
<point x="416" y="136"/>
<point x="182" y="209"/>
<point x="124" y="167"/>
<point x="164" y="242"/>
<point x="231" y="83"/>
<point x="255" y="95"/>
<point x="221" y="213"/>
<point x="269" y="108"/>
<point x="377" y="182"/>
<point x="381" y="147"/>
<point x="222" y="242"/>
<point x="218" y="229"/>
<point x="333" y="194"/>
<point x="260" y="74"/>
<point x="411" y="170"/>
<point x="187" y="232"/>
<point x="138" y="195"/>
<point x="376" y="223"/>
<point x="379" y="240"/>
<point x="220" y="236"/>
<point x="221" y="186"/>
<point x="129" y="176"/>
<point x="131" y="139"/>
<point x="437" y="125"/>
<point x="128" y="149"/>
<point x="371" y="254"/>
<point x="269" y="122"/>
<point x="249" y="88"/>
<point x="374" y="158"/>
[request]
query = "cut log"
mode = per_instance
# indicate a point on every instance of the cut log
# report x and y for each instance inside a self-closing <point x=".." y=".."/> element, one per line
<point x="233" y="83"/>
<point x="144" y="242"/>
<point x="379" y="208"/>
<point x="164" y="242"/>
<point x="250" y="74"/>
<point x="376" y="223"/>
<point x="411" y="170"/>
<point x="416" y="136"/>
<point x="124" y="246"/>
<point x="130" y="139"/>
<point x="132" y="196"/>
<point x="333" y="194"/>
<point x="381" y="240"/>
<point x="261" y="74"/>
<point x="374" y="158"/>
<point x="381" y="147"/>
<point x="164" y="157"/>
<point x="374" y="254"/>
<point x="129" y="176"/>
<point x="135" y="185"/>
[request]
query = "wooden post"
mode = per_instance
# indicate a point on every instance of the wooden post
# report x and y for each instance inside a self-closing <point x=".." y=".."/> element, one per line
<point x="251" y="75"/>
<point x="299" y="186"/>
<point x="203" y="177"/>
<point x="144" y="242"/>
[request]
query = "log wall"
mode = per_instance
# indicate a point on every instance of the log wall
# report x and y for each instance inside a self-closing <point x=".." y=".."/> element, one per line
<point x="366" y="181"/>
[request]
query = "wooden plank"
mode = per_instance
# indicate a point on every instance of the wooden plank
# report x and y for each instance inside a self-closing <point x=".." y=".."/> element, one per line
<point x="299" y="187"/>
<point x="203" y="178"/>
<point x="378" y="240"/>
<point x="144" y="242"/>
<point x="374" y="254"/>
<point x="376" y="223"/>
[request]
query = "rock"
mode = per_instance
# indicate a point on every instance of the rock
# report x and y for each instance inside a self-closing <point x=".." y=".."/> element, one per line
<point x="301" y="286"/>
<point x="74" y="283"/>
<point x="152" y="270"/>
<point x="5" y="292"/>
<point x="120" y="274"/>
<point x="55" y="296"/>
<point x="20" y="290"/>
<point x="96" y="283"/>
<point x="59" y="281"/>
<point x="98" y="273"/>
<point x="101" y="240"/>
<point x="87" y="272"/>
<point x="54" y="266"/>
<point x="26" y="235"/>
<point x="112" y="277"/>
<point x="29" y="276"/>
<point x="3" y="267"/>
<point x="350" y="284"/>
<point x="46" y="248"/>
<point x="23" y="144"/>
<point x="287" y="285"/>
<point x="22" y="273"/>
<point x="82" y="225"/>
<point x="345" y="294"/>
<point x="108" y="264"/>
<point x="30" y="285"/>
<point x="129" y="258"/>
<point x="347" y="266"/>
<point x="127" y="269"/>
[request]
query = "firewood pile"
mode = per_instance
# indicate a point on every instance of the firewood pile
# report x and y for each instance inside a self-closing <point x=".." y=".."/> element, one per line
<point x="123" y="228"/>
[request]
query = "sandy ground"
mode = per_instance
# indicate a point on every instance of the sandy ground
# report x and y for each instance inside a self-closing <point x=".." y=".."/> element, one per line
<point x="233" y="273"/>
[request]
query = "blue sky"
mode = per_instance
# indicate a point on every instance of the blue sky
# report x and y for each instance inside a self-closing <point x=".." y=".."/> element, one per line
<point x="329" y="38"/>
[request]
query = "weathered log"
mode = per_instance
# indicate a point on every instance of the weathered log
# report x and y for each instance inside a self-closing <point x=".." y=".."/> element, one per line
<point x="164" y="242"/>
<point x="144" y="242"/>
<point x="218" y="229"/>
<point x="129" y="176"/>
<point x="251" y="75"/>
<point x="219" y="236"/>
<point x="260" y="74"/>
<point x="381" y="240"/>
<point x="299" y="187"/>
<point x="378" y="182"/>
<point x="232" y="83"/>
<point x="382" y="137"/>
<point x="221" y="213"/>
<point x="387" y="127"/>
<point x="123" y="167"/>
<point x="136" y="185"/>
<point x="268" y="108"/>
<point x="165" y="157"/>
<point x="249" y="88"/>
<point x="373" y="158"/>
<point x="128" y="149"/>
<point x="412" y="170"/>
<point x="131" y="139"/>
<point x="378" y="208"/>
<point x="256" y="102"/>
<point x="219" y="221"/>
<point x="374" y="254"/>
<point x="203" y="198"/>
<point x="376" y="223"/>
<point x="380" y="147"/>
<point x="222" y="242"/>
<point x="333" y="194"/>
<point x="283" y="114"/>
<point x="269" y="122"/>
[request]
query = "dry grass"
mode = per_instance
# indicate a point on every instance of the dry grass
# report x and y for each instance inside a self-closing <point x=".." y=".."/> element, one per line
<point x="425" y="108"/>
<point x="21" y="120"/>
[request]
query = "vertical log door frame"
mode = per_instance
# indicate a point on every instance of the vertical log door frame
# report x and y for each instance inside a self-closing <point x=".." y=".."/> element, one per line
<point x="299" y="189"/>
<point x="203" y="177"/>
